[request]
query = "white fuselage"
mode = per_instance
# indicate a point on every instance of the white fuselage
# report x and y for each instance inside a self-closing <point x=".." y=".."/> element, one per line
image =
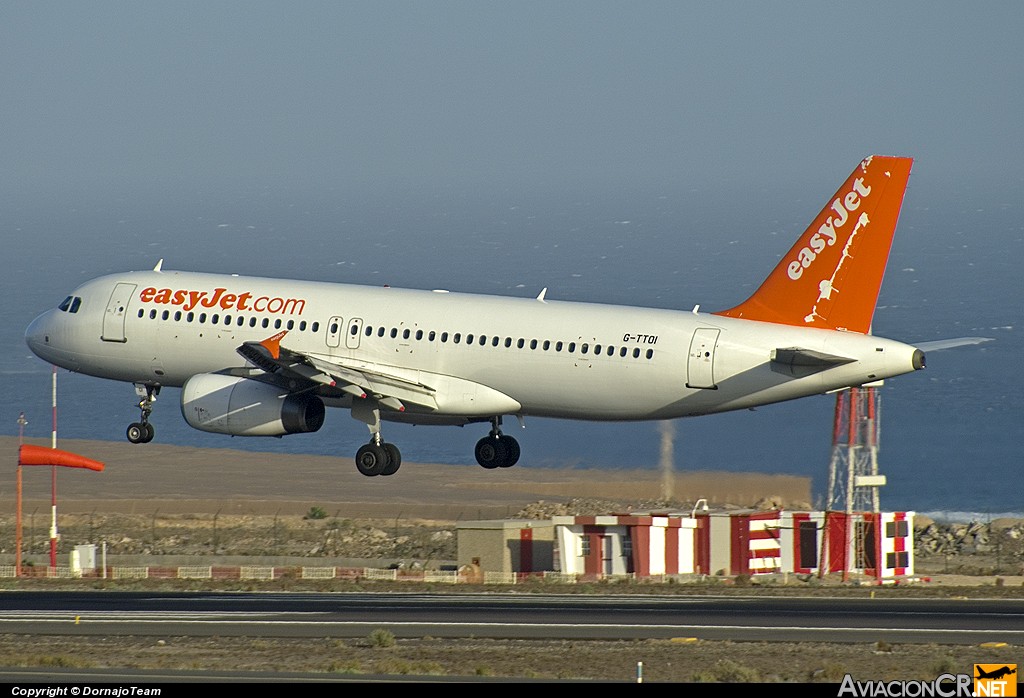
<point x="531" y="357"/>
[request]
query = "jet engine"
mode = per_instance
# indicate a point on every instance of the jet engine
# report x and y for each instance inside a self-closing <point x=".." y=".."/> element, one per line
<point x="243" y="407"/>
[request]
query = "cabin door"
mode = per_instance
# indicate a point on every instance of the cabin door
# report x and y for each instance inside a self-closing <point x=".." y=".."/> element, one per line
<point x="113" y="318"/>
<point x="701" y="364"/>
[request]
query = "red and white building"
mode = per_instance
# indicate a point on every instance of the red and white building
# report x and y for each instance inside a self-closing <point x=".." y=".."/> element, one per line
<point x="734" y="543"/>
<point x="641" y="544"/>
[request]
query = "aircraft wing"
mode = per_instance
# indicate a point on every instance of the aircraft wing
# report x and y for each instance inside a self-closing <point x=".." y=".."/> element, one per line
<point x="393" y="387"/>
<point x="950" y="343"/>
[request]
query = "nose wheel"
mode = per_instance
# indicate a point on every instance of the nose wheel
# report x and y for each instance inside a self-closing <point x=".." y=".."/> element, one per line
<point x="142" y="432"/>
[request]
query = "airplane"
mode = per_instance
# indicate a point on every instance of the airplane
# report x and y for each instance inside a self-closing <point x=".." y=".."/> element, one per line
<point x="995" y="673"/>
<point x="265" y="357"/>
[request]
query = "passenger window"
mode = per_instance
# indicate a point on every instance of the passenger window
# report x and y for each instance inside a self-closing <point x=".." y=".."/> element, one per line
<point x="265" y="323"/>
<point x="597" y="350"/>
<point x="334" y="328"/>
<point x="623" y="351"/>
<point x="152" y="315"/>
<point x="611" y="351"/>
<point x="558" y="346"/>
<point x="369" y="331"/>
<point x="469" y="339"/>
<point x="380" y="331"/>
<point x="405" y="334"/>
<point x="354" y="330"/>
<point x="495" y="341"/>
<point x="141" y="312"/>
<point x="650" y="353"/>
<point x="456" y="337"/>
<point x="547" y="345"/>
<point x="583" y="348"/>
<point x="419" y="335"/>
<point x="521" y="343"/>
<point x="394" y="332"/>
<point x="432" y="335"/>
<point x="316" y="327"/>
<point x="533" y="343"/>
<point x="508" y="342"/>
<point x="190" y="317"/>
<point x="241" y="322"/>
<point x="444" y="337"/>
<point x="302" y="326"/>
<point x="636" y="353"/>
<point x="227" y="319"/>
<point x="291" y="325"/>
<point x="166" y="314"/>
<point x="277" y="324"/>
<point x="572" y="347"/>
<point x="252" y="322"/>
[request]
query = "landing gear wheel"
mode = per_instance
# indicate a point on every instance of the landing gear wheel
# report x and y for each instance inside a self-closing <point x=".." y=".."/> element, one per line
<point x="394" y="459"/>
<point x="371" y="459"/>
<point x="512" y="451"/>
<point x="491" y="452"/>
<point x="142" y="432"/>
<point x="139" y="433"/>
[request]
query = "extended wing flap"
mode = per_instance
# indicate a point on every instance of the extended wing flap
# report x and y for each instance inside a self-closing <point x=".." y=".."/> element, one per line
<point x="394" y="390"/>
<point x="380" y="382"/>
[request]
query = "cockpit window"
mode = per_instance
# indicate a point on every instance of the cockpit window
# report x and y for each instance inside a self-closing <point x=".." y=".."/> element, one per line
<point x="71" y="304"/>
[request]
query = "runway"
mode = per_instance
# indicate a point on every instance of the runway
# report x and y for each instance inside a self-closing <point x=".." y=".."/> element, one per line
<point x="596" y="617"/>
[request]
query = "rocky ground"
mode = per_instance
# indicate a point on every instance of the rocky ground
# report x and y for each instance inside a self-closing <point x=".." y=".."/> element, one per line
<point x="976" y="548"/>
<point x="175" y="501"/>
<point x="984" y="556"/>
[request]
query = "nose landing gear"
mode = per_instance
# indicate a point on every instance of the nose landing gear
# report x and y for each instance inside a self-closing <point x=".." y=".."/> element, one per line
<point x="142" y="432"/>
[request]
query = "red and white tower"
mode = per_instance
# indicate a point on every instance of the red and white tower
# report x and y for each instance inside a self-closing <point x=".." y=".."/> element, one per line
<point x="853" y="478"/>
<point x="852" y="510"/>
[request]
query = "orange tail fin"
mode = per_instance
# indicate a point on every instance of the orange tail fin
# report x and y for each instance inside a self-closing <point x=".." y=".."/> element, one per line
<point x="831" y="277"/>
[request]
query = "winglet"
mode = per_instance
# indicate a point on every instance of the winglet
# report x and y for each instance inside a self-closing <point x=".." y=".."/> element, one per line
<point x="159" y="265"/>
<point x="831" y="277"/>
<point x="273" y="344"/>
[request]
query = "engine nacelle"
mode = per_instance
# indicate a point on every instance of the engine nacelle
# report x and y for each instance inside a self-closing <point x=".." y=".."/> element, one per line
<point x="244" y="407"/>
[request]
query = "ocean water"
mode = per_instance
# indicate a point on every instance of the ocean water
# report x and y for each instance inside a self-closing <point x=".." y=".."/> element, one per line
<point x="950" y="435"/>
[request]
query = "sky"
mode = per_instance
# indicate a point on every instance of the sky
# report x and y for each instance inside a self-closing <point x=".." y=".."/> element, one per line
<point x="650" y="153"/>
<point x="149" y="99"/>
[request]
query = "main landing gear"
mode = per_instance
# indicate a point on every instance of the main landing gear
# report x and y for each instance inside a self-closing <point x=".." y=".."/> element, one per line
<point x="497" y="450"/>
<point x="378" y="458"/>
<point x="142" y="432"/>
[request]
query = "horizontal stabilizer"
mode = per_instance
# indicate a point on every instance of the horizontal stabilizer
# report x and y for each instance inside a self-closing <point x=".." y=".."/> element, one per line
<point x="808" y="358"/>
<point x="940" y="344"/>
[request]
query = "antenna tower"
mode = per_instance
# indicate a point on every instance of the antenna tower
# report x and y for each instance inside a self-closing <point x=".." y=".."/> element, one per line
<point x="853" y="478"/>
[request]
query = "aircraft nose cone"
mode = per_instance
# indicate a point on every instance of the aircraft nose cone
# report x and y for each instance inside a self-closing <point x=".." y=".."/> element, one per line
<point x="37" y="336"/>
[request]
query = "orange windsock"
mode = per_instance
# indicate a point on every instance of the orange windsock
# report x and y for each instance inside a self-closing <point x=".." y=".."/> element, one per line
<point x="39" y="455"/>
